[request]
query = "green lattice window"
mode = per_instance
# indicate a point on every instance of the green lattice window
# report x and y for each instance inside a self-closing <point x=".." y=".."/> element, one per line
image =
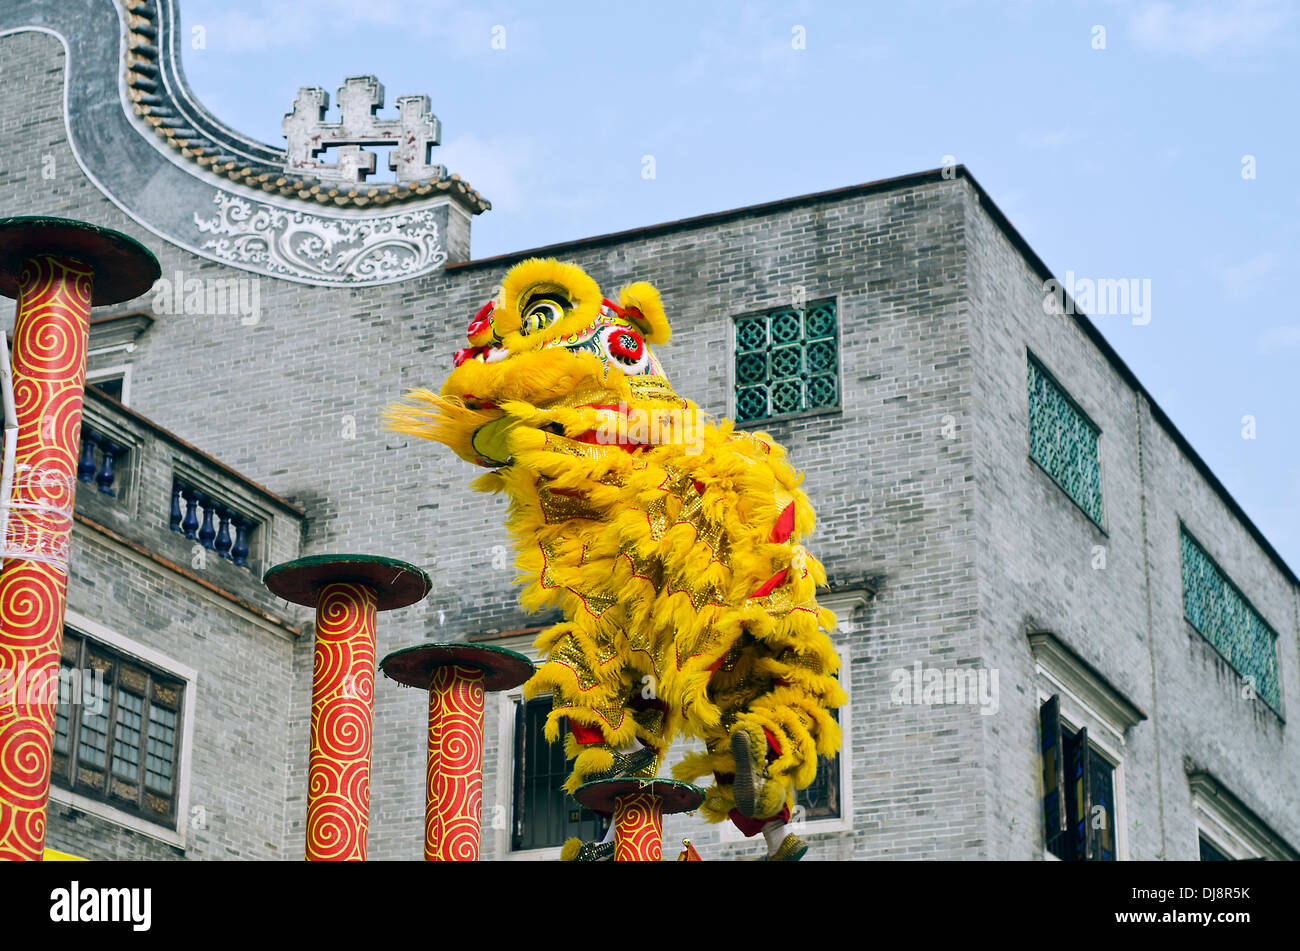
<point x="787" y="361"/>
<point x="1214" y="606"/>
<point x="1064" y="442"/>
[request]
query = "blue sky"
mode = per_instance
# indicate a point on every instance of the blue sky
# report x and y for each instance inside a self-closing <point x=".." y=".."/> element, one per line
<point x="1117" y="162"/>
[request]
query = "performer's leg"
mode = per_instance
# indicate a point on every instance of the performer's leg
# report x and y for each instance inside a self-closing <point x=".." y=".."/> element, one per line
<point x="611" y="726"/>
<point x="774" y="724"/>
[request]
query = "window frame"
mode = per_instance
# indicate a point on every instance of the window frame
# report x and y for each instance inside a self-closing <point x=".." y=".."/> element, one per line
<point x="1104" y="740"/>
<point x="172" y="834"/>
<point x="1102" y="525"/>
<point x="733" y="351"/>
<point x="1229" y="824"/>
<point x="508" y="702"/>
<point x="120" y="372"/>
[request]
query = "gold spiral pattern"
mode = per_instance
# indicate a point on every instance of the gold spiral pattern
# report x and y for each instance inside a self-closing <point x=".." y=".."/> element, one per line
<point x="54" y="296"/>
<point x="638" y="828"/>
<point x="454" y="790"/>
<point x="49" y="374"/>
<point x="343" y="689"/>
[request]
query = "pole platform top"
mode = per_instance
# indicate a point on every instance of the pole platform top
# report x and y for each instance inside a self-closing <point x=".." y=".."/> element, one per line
<point x="674" y="796"/>
<point x="502" y="669"/>
<point x="123" y="267"/>
<point x="396" y="583"/>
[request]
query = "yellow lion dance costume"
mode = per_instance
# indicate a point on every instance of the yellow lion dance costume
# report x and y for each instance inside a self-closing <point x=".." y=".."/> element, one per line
<point x="669" y="542"/>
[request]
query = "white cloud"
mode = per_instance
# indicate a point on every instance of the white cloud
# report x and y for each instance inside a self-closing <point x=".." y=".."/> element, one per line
<point x="1237" y="28"/>
<point x="1247" y="278"/>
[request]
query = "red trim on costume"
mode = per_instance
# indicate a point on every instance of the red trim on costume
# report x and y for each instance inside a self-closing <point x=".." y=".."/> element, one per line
<point x="752" y="827"/>
<point x="585" y="734"/>
<point x="773" y="747"/>
<point x="592" y="438"/>
<point x="784" y="526"/>
<point x="638" y="702"/>
<point x="771" y="584"/>
<point x="466" y="353"/>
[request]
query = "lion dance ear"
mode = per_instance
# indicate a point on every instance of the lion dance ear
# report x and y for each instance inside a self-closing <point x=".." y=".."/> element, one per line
<point x="645" y="308"/>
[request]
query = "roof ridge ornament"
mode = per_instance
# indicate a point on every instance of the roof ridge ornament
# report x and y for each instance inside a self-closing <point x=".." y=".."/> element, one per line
<point x="413" y="134"/>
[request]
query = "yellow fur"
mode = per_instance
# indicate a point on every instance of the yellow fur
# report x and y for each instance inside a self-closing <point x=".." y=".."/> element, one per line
<point x="645" y="299"/>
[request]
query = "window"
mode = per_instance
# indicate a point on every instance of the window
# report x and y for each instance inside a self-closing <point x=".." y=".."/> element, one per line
<point x="1213" y="605"/>
<point x="1209" y="853"/>
<point x="113" y="383"/>
<point x="1078" y="792"/>
<point x="821" y="800"/>
<point x="1064" y="442"/>
<point x="1228" y="830"/>
<point x="117" y="730"/>
<point x="545" y="815"/>
<point x="787" y="362"/>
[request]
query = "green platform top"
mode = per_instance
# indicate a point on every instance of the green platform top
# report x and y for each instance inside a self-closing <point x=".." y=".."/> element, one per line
<point x="396" y="583"/>
<point x="414" y="666"/>
<point x="123" y="267"/>
<point x="674" y="796"/>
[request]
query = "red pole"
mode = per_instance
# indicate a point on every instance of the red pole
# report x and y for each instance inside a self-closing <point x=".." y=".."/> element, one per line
<point x="453" y="803"/>
<point x="342" y="712"/>
<point x="457" y="675"/>
<point x="347" y="592"/>
<point x="49" y="375"/>
<point x="57" y="269"/>
<point x="638" y="828"/>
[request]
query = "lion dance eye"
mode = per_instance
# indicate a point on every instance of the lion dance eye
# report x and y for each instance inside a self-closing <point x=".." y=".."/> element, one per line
<point x="628" y="348"/>
<point x="539" y="316"/>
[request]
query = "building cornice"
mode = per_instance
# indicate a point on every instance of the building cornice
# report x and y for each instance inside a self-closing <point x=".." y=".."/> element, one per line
<point x="1065" y="667"/>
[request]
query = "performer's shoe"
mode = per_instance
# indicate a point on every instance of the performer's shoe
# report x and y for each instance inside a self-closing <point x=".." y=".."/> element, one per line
<point x="756" y="796"/>
<point x="627" y="764"/>
<point x="791" y="849"/>
<point x="575" y="850"/>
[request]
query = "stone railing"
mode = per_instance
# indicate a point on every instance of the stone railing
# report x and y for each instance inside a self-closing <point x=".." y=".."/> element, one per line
<point x="183" y="518"/>
<point x="151" y="490"/>
<point x="100" y="459"/>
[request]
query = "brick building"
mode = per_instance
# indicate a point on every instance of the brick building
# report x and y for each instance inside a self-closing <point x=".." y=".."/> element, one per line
<point x="1030" y="564"/>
